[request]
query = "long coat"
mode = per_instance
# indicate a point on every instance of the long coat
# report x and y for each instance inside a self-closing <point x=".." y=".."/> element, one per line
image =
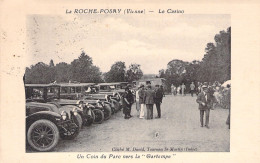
<point x="201" y="98"/>
<point x="158" y="96"/>
<point x="149" y="96"/>
<point x="141" y="96"/>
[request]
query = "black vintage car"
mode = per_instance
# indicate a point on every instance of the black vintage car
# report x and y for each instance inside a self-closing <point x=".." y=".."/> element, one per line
<point x="93" y="112"/>
<point x="107" y="99"/>
<point x="50" y="93"/>
<point x="104" y="107"/>
<point x="54" y="92"/>
<point x="45" y="124"/>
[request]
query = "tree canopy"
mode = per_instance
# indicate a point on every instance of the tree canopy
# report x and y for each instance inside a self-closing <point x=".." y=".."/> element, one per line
<point x="215" y="65"/>
<point x="80" y="69"/>
<point x="134" y="72"/>
<point x="117" y="73"/>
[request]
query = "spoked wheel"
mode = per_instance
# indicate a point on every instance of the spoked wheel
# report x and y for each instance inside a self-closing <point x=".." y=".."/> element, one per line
<point x="72" y="131"/>
<point x="43" y="135"/>
<point x="99" y="116"/>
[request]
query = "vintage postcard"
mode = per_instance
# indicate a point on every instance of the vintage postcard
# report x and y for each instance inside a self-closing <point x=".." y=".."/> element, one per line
<point x="142" y="81"/>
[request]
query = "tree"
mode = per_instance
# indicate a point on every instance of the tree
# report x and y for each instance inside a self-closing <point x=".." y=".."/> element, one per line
<point x="38" y="74"/>
<point x="216" y="63"/>
<point x="51" y="64"/>
<point x="83" y="70"/>
<point x="51" y="72"/>
<point x="161" y="73"/>
<point x="117" y="73"/>
<point x="62" y="72"/>
<point x="177" y="67"/>
<point x="134" y="72"/>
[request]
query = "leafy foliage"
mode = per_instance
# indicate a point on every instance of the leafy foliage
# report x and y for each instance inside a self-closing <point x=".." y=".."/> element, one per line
<point x="117" y="73"/>
<point x="81" y="70"/>
<point x="215" y="65"/>
<point x="134" y="72"/>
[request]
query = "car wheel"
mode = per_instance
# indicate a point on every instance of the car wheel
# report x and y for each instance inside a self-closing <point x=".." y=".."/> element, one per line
<point x="99" y="116"/>
<point x="117" y="106"/>
<point x="43" y="135"/>
<point x="107" y="112"/>
<point x="90" y="118"/>
<point x="72" y="132"/>
<point x="79" y="119"/>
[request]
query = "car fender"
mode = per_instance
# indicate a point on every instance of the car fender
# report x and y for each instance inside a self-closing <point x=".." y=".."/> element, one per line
<point x="49" y="115"/>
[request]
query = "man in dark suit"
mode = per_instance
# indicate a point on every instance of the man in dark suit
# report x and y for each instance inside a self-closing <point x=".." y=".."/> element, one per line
<point x="158" y="100"/>
<point x="149" y="101"/>
<point x="127" y="103"/>
<point x="204" y="105"/>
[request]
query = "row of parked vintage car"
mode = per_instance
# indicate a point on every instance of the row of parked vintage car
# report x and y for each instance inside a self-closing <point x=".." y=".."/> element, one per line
<point x="55" y="111"/>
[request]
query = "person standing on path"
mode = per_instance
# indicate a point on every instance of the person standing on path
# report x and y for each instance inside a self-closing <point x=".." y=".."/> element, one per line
<point x="204" y="105"/>
<point x="228" y="104"/>
<point x="158" y="100"/>
<point x="161" y="88"/>
<point x="141" y="101"/>
<point x="137" y="101"/>
<point x="192" y="88"/>
<point x="149" y="101"/>
<point x="211" y="92"/>
<point x="183" y="87"/>
<point x="172" y="89"/>
<point x="127" y="103"/>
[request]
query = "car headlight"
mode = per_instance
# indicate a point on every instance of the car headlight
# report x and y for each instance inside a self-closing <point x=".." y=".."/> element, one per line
<point x="64" y="115"/>
<point x="78" y="102"/>
<point x="98" y="104"/>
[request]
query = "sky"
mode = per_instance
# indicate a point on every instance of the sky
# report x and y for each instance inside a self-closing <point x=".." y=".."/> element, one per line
<point x="149" y="40"/>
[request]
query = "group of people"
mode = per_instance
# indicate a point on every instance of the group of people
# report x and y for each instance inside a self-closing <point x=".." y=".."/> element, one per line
<point x="147" y="97"/>
<point x="181" y="89"/>
<point x="144" y="98"/>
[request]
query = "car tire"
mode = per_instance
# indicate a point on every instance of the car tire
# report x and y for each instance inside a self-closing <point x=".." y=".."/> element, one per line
<point x="73" y="133"/>
<point x="79" y="119"/>
<point x="117" y="106"/>
<point x="40" y="142"/>
<point x="90" y="118"/>
<point x="107" y="112"/>
<point x="99" y="116"/>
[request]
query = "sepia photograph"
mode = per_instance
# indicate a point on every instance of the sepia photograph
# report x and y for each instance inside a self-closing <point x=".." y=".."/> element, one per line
<point x="128" y="83"/>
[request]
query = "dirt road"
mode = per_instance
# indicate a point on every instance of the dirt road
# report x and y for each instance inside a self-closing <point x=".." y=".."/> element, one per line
<point x="178" y="130"/>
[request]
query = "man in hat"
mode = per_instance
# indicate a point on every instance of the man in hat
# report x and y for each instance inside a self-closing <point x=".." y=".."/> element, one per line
<point x="149" y="101"/>
<point x="141" y="101"/>
<point x="158" y="100"/>
<point x="127" y="103"/>
<point x="204" y="105"/>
